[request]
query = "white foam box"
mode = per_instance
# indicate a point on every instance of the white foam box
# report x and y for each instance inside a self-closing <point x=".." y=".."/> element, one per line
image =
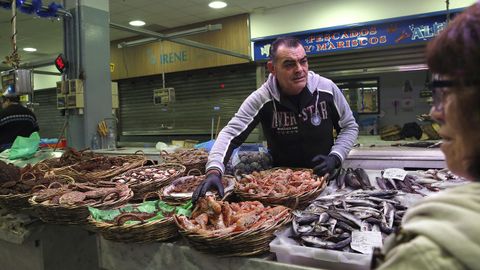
<point x="289" y="251"/>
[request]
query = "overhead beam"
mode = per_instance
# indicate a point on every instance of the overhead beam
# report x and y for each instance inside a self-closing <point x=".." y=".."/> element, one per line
<point x="193" y="31"/>
<point x="182" y="41"/>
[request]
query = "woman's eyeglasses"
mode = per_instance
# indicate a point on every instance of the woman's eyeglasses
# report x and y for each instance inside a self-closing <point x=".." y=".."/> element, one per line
<point x="439" y="88"/>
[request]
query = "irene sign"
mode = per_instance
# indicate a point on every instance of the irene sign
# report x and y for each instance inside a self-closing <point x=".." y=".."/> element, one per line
<point x="397" y="31"/>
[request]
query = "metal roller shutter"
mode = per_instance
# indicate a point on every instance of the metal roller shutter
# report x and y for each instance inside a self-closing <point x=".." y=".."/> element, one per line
<point x="369" y="61"/>
<point x="197" y="92"/>
<point x="49" y="118"/>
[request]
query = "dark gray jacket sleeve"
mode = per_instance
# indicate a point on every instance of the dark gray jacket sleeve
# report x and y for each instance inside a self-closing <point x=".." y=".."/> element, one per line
<point x="237" y="130"/>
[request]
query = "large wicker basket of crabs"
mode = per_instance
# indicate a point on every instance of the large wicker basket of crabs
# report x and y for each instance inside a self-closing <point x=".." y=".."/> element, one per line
<point x="232" y="229"/>
<point x="149" y="221"/>
<point x="190" y="158"/>
<point x="146" y="179"/>
<point x="181" y="190"/>
<point x="290" y="187"/>
<point x="68" y="204"/>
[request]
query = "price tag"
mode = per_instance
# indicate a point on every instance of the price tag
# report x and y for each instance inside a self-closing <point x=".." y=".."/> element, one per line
<point x="395" y="173"/>
<point x="364" y="242"/>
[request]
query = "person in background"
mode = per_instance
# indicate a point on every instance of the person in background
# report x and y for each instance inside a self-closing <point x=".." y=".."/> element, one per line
<point x="15" y="120"/>
<point x="298" y="111"/>
<point x="442" y="231"/>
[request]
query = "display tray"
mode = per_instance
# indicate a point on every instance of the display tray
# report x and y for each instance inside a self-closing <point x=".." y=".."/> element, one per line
<point x="289" y="251"/>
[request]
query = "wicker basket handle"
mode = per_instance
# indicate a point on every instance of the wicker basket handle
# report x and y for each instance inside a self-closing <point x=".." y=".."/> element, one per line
<point x="53" y="183"/>
<point x="27" y="173"/>
<point x="145" y="197"/>
<point x="131" y="215"/>
<point x="295" y="205"/>
<point x="194" y="170"/>
<point x="39" y="187"/>
<point x="139" y="152"/>
<point x="70" y="179"/>
<point x="115" y="192"/>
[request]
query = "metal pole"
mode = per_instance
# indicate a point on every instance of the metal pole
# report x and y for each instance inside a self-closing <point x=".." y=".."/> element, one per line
<point x="179" y="41"/>
<point x="15" y="59"/>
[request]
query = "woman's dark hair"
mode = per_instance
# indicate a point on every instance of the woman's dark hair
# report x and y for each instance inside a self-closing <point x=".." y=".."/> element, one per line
<point x="289" y="42"/>
<point x="455" y="52"/>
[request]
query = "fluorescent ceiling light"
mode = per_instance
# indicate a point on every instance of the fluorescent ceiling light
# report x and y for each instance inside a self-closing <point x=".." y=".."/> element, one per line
<point x="217" y="4"/>
<point x="137" y="23"/>
<point x="30" y="49"/>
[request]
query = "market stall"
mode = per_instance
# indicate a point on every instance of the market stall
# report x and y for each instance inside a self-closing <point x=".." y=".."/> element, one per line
<point x="241" y="227"/>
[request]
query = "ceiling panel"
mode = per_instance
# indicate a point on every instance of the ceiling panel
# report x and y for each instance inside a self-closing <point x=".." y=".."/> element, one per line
<point x="47" y="35"/>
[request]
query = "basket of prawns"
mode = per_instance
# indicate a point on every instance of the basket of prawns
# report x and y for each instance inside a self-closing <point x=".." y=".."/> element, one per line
<point x="232" y="229"/>
<point x="293" y="188"/>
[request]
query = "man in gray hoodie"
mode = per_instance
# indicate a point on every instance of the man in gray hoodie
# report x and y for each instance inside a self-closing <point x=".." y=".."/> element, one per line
<point x="298" y="111"/>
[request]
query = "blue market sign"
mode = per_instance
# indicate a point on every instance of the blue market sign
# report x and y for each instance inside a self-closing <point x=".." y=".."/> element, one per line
<point x="399" y="31"/>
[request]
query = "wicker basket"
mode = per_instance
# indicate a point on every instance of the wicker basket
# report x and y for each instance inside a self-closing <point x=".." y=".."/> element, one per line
<point x="180" y="198"/>
<point x="199" y="165"/>
<point x="131" y="161"/>
<point x="15" y="202"/>
<point x="19" y="202"/>
<point x="158" y="230"/>
<point x="145" y="187"/>
<point x="70" y="214"/>
<point x="144" y="232"/>
<point x="299" y="200"/>
<point x="246" y="243"/>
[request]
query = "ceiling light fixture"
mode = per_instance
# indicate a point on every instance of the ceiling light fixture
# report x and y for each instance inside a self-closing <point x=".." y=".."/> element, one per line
<point x="28" y="49"/>
<point x="137" y="23"/>
<point x="217" y="4"/>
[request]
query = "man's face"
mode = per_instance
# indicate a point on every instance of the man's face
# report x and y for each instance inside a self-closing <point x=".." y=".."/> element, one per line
<point x="290" y="69"/>
<point x="3" y="102"/>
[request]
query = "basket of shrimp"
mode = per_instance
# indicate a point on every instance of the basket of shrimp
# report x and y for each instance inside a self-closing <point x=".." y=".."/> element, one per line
<point x="190" y="158"/>
<point x="293" y="188"/>
<point x="232" y="229"/>
<point x="68" y="203"/>
<point x="149" y="221"/>
<point x="101" y="168"/>
<point x="181" y="190"/>
<point x="146" y="179"/>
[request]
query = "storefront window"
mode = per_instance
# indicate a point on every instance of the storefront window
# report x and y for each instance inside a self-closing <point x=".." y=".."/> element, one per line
<point x="361" y="94"/>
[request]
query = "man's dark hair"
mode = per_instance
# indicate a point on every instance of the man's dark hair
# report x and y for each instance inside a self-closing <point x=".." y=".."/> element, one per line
<point x="11" y="99"/>
<point x="289" y="42"/>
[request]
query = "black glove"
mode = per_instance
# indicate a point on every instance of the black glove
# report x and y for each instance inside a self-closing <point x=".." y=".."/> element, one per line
<point x="213" y="179"/>
<point x="325" y="164"/>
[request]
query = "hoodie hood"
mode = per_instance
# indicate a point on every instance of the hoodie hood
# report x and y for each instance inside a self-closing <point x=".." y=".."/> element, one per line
<point x="314" y="82"/>
<point x="451" y="220"/>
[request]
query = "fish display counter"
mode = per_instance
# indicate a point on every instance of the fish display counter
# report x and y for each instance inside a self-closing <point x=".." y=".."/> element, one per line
<point x="392" y="156"/>
<point x="365" y="156"/>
